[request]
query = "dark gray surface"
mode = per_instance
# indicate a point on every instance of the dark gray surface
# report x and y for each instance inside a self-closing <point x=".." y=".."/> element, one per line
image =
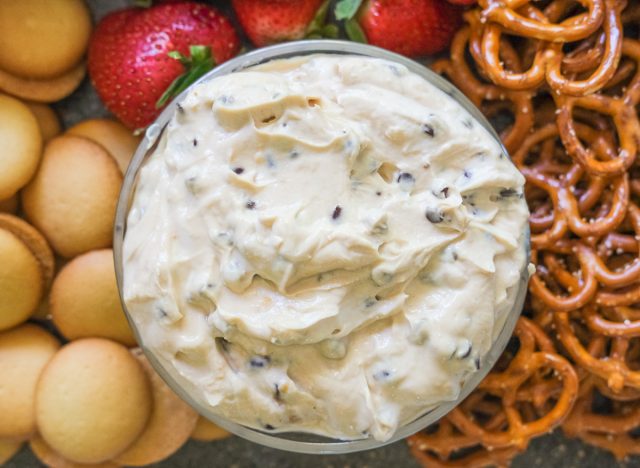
<point x="552" y="451"/>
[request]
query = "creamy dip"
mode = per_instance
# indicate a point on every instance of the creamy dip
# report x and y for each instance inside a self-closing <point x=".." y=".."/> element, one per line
<point x="327" y="244"/>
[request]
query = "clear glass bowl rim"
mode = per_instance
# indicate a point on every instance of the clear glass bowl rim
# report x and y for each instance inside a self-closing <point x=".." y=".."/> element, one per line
<point x="293" y="441"/>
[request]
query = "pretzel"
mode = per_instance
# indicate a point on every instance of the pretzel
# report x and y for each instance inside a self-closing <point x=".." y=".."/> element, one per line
<point x="458" y="71"/>
<point x="442" y="447"/>
<point x="566" y="212"/>
<point x="625" y="118"/>
<point x="613" y="367"/>
<point x="609" y="431"/>
<point x="427" y="449"/>
<point x="515" y="431"/>
<point x="548" y="58"/>
<point x="505" y="13"/>
<point x="608" y="59"/>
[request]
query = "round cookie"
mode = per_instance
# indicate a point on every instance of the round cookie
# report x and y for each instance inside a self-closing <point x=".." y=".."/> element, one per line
<point x="21" y="281"/>
<point x="117" y="139"/>
<point x="34" y="242"/>
<point x="93" y="400"/>
<point x="9" y="205"/>
<point x="84" y="300"/>
<point x="171" y="423"/>
<point x="206" y="431"/>
<point x="24" y="353"/>
<point x="48" y="120"/>
<point x="52" y="459"/>
<point x="72" y="198"/>
<point x="21" y="145"/>
<point x="8" y="448"/>
<point x="49" y="90"/>
<point x="43" y="38"/>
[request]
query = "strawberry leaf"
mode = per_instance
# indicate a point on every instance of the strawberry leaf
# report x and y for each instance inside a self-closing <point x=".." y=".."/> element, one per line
<point x="199" y="62"/>
<point x="347" y="9"/>
<point x="354" y="31"/>
<point x="143" y="3"/>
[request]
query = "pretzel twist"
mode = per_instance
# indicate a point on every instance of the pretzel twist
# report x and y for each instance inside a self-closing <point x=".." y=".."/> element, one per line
<point x="528" y="362"/>
<point x="609" y="431"/>
<point x="505" y="13"/>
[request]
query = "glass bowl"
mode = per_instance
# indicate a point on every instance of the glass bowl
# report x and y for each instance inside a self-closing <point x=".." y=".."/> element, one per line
<point x="297" y="441"/>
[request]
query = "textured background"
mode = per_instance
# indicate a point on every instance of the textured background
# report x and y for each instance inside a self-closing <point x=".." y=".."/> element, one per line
<point x="552" y="451"/>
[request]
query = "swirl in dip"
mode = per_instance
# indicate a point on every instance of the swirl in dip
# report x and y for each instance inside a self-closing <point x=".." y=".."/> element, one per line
<point x="327" y="244"/>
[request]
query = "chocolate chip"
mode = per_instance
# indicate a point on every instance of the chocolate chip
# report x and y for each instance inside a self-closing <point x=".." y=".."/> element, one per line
<point x="369" y="302"/>
<point x="294" y="154"/>
<point x="508" y="192"/>
<point x="429" y="130"/>
<point x="276" y="393"/>
<point x="435" y="216"/>
<point x="444" y="193"/>
<point x="467" y="174"/>
<point x="336" y="212"/>
<point x="477" y="363"/>
<point x="259" y="361"/>
<point x="238" y="170"/>
<point x="378" y="193"/>
<point x="269" y="427"/>
<point x="405" y="177"/>
<point x="251" y="205"/>
<point x="382" y="375"/>
<point x="195" y="142"/>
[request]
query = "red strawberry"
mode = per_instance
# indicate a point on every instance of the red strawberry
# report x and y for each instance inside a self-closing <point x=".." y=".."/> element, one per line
<point x="409" y="27"/>
<point x="130" y="63"/>
<point x="269" y="21"/>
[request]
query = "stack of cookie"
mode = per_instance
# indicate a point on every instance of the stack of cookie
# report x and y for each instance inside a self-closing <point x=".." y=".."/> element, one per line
<point x="72" y="383"/>
<point x="42" y="45"/>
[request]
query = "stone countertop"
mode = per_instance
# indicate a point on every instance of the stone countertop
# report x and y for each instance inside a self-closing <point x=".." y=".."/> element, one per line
<point x="550" y="451"/>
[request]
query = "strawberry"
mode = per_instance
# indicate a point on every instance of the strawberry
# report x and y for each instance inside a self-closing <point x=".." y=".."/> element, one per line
<point x="135" y="54"/>
<point x="410" y="27"/>
<point x="269" y="21"/>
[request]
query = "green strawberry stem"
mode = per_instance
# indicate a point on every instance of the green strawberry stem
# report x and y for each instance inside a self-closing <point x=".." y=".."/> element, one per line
<point x="318" y="28"/>
<point x="199" y="62"/>
<point x="354" y="31"/>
